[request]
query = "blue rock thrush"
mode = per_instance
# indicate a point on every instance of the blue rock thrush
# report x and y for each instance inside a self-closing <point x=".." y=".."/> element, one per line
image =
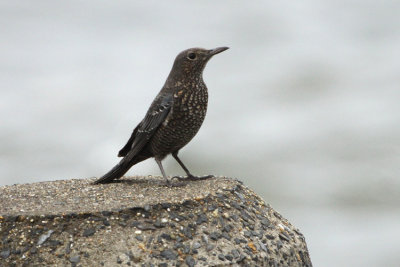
<point x="173" y="119"/>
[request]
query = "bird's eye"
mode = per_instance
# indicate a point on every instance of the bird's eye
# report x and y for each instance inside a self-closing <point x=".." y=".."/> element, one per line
<point x="191" y="56"/>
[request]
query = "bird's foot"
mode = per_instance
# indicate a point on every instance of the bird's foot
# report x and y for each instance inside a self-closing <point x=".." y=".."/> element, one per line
<point x="193" y="178"/>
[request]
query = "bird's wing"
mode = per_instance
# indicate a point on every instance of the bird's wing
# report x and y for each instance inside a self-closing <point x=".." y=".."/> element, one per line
<point x="156" y="115"/>
<point x="128" y="146"/>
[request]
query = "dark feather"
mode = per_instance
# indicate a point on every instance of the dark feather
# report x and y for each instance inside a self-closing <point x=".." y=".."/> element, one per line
<point x="156" y="115"/>
<point x="128" y="146"/>
<point x="131" y="152"/>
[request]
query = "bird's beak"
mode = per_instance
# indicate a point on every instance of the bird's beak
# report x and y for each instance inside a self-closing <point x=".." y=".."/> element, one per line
<point x="217" y="50"/>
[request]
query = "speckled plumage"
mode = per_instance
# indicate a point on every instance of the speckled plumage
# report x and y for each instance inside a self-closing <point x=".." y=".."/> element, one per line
<point x="174" y="117"/>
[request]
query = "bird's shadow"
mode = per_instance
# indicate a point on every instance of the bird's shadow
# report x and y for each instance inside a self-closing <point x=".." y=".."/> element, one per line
<point x="176" y="181"/>
<point x="151" y="182"/>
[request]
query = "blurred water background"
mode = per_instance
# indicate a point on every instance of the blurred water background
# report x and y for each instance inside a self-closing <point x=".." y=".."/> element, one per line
<point x="304" y="107"/>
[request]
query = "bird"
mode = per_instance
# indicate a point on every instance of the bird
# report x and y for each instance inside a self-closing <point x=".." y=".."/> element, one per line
<point x="173" y="119"/>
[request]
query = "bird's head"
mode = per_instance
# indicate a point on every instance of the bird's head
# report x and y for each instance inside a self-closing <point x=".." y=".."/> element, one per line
<point x="191" y="62"/>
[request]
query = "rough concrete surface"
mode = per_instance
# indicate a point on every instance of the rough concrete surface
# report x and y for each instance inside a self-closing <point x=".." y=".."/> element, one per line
<point x="141" y="222"/>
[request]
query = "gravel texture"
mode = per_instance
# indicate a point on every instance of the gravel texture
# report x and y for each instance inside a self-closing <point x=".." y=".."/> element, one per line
<point x="141" y="222"/>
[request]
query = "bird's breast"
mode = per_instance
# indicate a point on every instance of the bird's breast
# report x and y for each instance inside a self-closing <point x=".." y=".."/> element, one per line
<point x="187" y="113"/>
<point x="190" y="105"/>
<point x="182" y="123"/>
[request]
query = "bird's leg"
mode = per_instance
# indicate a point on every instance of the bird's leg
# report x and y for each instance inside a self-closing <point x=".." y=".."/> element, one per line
<point x="175" y="155"/>
<point x="190" y="176"/>
<point x="165" y="176"/>
<point x="162" y="170"/>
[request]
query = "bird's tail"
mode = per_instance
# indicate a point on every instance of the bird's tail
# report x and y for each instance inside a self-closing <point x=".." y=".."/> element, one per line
<point x="120" y="169"/>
